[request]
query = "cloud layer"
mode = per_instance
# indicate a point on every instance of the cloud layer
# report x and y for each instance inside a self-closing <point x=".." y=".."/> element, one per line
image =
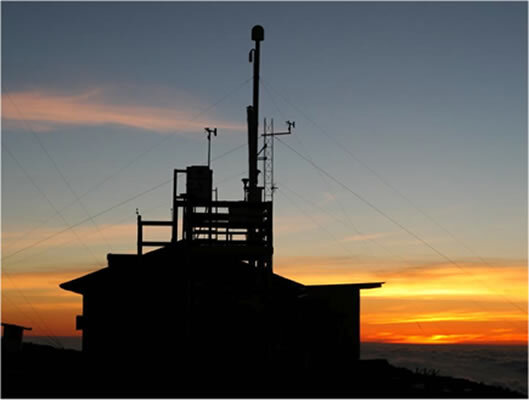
<point x="45" y="111"/>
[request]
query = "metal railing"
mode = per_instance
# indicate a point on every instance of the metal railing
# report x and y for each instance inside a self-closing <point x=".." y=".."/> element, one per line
<point x="217" y="223"/>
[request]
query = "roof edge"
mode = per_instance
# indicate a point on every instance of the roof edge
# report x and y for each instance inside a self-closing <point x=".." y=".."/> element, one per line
<point x="367" y="285"/>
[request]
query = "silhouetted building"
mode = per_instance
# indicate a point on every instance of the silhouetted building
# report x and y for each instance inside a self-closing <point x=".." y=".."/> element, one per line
<point x="12" y="337"/>
<point x="209" y="296"/>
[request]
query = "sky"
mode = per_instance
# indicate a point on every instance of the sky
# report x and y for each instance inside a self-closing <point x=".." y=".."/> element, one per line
<point x="408" y="163"/>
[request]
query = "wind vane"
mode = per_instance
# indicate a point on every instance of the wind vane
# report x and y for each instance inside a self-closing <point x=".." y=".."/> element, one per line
<point x="209" y="131"/>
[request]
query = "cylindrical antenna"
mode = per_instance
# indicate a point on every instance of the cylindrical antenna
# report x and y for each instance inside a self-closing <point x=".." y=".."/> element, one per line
<point x="258" y="37"/>
<point x="253" y="115"/>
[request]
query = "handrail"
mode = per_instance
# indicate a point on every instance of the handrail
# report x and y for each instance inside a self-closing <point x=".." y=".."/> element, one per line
<point x="157" y="223"/>
<point x="253" y="221"/>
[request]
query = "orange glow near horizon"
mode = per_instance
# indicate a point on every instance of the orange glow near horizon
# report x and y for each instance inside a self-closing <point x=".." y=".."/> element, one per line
<point x="435" y="304"/>
<point x="35" y="300"/>
<point x="430" y="304"/>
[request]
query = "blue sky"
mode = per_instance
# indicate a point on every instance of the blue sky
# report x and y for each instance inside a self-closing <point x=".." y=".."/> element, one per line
<point x="431" y="96"/>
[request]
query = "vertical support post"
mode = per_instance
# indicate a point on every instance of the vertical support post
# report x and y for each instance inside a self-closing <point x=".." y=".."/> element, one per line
<point x="216" y="190"/>
<point x="140" y="236"/>
<point x="210" y="223"/>
<point x="174" y="235"/>
<point x="272" y="183"/>
<point x="252" y="154"/>
<point x="188" y="216"/>
<point x="356" y="324"/>
<point x="209" y="131"/>
<point x="265" y="154"/>
<point x="270" y="233"/>
<point x="209" y="150"/>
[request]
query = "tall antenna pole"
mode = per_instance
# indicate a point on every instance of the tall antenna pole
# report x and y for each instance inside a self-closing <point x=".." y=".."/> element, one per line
<point x="257" y="36"/>
<point x="253" y="116"/>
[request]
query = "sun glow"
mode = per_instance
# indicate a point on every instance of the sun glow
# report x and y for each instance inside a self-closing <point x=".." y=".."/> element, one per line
<point x="431" y="305"/>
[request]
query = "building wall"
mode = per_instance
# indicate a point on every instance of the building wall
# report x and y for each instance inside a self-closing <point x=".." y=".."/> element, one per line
<point x="336" y="313"/>
<point x="217" y="320"/>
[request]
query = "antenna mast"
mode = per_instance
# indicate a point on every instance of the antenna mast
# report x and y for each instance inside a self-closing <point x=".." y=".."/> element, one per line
<point x="254" y="192"/>
<point x="268" y="158"/>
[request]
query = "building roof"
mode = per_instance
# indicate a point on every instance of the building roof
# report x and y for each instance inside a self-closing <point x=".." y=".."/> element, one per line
<point x="9" y="326"/>
<point x="168" y="263"/>
<point x="79" y="285"/>
<point x="356" y="286"/>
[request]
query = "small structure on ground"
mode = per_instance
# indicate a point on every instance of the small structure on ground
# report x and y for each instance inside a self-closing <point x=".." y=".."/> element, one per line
<point x="12" y="337"/>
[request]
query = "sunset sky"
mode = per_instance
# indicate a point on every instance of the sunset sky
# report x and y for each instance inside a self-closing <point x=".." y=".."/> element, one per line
<point x="408" y="163"/>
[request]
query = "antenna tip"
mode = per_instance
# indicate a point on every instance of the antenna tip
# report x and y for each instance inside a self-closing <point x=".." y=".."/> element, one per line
<point x="258" y="33"/>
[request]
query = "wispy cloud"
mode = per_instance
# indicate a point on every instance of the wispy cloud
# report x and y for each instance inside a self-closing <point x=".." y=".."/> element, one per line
<point x="449" y="315"/>
<point x="448" y="331"/>
<point x="370" y="236"/>
<point x="507" y="280"/>
<point x="45" y="111"/>
<point x="327" y="269"/>
<point x="328" y="198"/>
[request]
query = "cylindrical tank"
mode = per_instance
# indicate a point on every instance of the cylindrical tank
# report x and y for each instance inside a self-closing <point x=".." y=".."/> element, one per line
<point x="199" y="183"/>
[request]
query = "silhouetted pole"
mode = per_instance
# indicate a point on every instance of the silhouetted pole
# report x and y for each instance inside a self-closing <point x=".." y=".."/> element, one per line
<point x="257" y="36"/>
<point x="140" y="235"/>
<point x="174" y="236"/>
<point x="253" y="115"/>
<point x="209" y="132"/>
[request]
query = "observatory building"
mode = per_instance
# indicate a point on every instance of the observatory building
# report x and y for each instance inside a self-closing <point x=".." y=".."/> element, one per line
<point x="210" y="294"/>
